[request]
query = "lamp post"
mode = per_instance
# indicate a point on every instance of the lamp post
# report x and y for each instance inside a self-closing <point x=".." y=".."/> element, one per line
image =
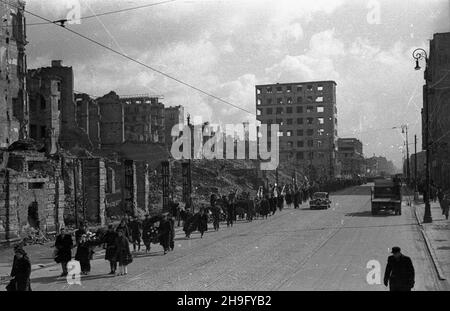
<point x="419" y="54"/>
<point x="404" y="128"/>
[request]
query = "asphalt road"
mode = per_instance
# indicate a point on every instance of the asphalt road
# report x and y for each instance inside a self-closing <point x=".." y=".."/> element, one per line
<point x="299" y="249"/>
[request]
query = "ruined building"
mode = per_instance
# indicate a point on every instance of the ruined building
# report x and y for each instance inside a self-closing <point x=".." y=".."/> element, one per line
<point x="13" y="99"/>
<point x="144" y="119"/>
<point x="88" y="118"/>
<point x="172" y="116"/>
<point x="31" y="192"/>
<point x="307" y="116"/>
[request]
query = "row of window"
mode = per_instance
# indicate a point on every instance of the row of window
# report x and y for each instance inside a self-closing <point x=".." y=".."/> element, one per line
<point x="301" y="144"/>
<point x="309" y="109"/>
<point x="309" y="132"/>
<point x="289" y="88"/>
<point x="309" y="155"/>
<point x="289" y="101"/>
<point x="309" y="121"/>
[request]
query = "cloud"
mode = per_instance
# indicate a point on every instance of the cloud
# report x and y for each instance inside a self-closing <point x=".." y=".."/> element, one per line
<point x="316" y="64"/>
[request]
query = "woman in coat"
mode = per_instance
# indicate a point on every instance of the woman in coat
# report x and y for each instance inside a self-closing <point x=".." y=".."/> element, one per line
<point x="21" y="271"/>
<point x="63" y="245"/>
<point x="123" y="253"/>
<point x="109" y="240"/>
<point x="84" y="254"/>
<point x="203" y="222"/>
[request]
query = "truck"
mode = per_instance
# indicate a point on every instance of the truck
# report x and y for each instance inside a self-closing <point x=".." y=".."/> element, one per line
<point x="386" y="195"/>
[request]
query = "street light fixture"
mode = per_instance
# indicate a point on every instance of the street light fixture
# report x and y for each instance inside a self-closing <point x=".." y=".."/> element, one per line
<point x="404" y="128"/>
<point x="419" y="54"/>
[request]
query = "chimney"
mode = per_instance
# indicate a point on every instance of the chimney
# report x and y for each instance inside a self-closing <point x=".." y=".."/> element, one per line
<point x="56" y="63"/>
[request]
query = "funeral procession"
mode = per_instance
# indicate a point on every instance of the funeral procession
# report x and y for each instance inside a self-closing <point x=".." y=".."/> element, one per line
<point x="224" y="147"/>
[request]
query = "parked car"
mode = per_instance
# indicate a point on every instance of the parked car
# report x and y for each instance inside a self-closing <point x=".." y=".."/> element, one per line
<point x="320" y="200"/>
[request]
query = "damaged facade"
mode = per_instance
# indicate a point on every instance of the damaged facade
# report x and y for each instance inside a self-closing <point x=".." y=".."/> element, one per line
<point x="31" y="194"/>
<point x="13" y="99"/>
<point x="66" y="157"/>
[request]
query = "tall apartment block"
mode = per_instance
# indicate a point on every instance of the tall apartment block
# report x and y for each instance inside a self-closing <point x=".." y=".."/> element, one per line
<point x="13" y="70"/>
<point x="307" y="115"/>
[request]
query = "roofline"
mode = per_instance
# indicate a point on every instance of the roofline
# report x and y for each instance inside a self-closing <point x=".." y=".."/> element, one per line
<point x="292" y="83"/>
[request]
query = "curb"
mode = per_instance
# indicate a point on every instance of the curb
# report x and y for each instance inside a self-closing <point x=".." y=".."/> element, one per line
<point x="430" y="249"/>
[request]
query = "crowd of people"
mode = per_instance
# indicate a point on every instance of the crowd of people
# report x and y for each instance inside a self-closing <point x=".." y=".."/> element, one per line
<point x="160" y="229"/>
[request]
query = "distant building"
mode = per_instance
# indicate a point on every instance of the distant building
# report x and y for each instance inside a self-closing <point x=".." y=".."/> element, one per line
<point x="13" y="99"/>
<point x="112" y="124"/>
<point x="172" y="117"/>
<point x="439" y="109"/>
<point x="144" y="119"/>
<point x="379" y="166"/>
<point x="88" y="117"/>
<point x="52" y="96"/>
<point x="350" y="155"/>
<point x="307" y="115"/>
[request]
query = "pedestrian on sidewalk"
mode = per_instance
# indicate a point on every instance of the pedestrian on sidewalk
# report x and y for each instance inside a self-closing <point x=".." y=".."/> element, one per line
<point x="164" y="233"/>
<point x="172" y="233"/>
<point x="123" y="253"/>
<point x="84" y="254"/>
<point x="445" y="204"/>
<point x="63" y="247"/>
<point x="203" y="222"/>
<point x="147" y="231"/>
<point x="136" y="233"/>
<point x="399" y="271"/>
<point x="215" y="210"/>
<point x="109" y="240"/>
<point x="21" y="271"/>
<point x="230" y="211"/>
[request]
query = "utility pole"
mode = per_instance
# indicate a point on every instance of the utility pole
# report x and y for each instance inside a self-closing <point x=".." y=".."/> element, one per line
<point x="408" y="172"/>
<point x="75" y="197"/>
<point x="415" y="162"/>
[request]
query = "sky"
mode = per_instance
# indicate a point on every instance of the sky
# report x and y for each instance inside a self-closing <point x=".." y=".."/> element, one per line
<point x="226" y="47"/>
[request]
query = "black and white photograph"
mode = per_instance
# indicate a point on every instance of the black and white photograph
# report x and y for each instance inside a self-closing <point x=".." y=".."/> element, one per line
<point x="224" y="151"/>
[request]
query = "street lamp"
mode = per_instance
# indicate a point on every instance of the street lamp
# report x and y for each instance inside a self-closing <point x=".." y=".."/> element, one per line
<point x="419" y="54"/>
<point x="404" y="128"/>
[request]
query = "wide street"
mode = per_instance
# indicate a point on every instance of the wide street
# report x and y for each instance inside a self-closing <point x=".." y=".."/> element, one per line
<point x="293" y="250"/>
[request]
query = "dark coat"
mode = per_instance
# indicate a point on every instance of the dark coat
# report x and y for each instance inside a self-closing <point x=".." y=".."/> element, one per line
<point x="135" y="229"/>
<point x="21" y="271"/>
<point x="63" y="245"/>
<point x="265" y="207"/>
<point x="164" y="232"/>
<point x="110" y="240"/>
<point x="123" y="253"/>
<point x="203" y="223"/>
<point x="84" y="251"/>
<point x="399" y="273"/>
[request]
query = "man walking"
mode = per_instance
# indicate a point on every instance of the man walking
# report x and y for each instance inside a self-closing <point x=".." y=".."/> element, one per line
<point x="63" y="247"/>
<point x="399" y="271"/>
<point x="164" y="232"/>
<point x="136" y="229"/>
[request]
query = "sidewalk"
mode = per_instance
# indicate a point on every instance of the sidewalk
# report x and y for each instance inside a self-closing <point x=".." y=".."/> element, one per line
<point x="437" y="236"/>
